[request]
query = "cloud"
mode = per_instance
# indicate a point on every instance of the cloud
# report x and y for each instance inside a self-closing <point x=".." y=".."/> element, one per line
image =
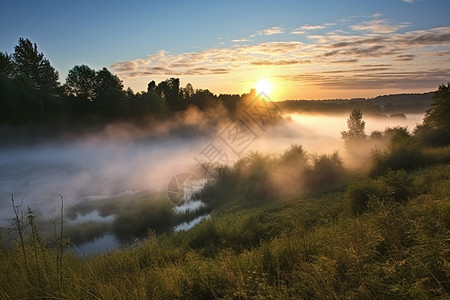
<point x="379" y="26"/>
<point x="269" y="31"/>
<point x="279" y="62"/>
<point x="344" y="61"/>
<point x="405" y="57"/>
<point x="377" y="15"/>
<point x="240" y="40"/>
<point x="303" y="29"/>
<point x="440" y="35"/>
<point x="409" y="1"/>
<point x="363" y="80"/>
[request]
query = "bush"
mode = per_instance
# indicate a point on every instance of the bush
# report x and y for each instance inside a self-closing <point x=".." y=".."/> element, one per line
<point x="360" y="192"/>
<point x="295" y="157"/>
<point x="432" y="136"/>
<point x="326" y="168"/>
<point x="398" y="185"/>
<point x="403" y="153"/>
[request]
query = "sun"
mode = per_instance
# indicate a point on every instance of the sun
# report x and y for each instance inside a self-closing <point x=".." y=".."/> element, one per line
<point x="264" y="86"/>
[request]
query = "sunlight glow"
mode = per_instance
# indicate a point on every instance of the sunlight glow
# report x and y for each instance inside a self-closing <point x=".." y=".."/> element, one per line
<point x="264" y="86"/>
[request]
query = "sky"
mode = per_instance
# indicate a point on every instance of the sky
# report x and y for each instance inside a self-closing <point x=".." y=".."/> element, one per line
<point x="317" y="49"/>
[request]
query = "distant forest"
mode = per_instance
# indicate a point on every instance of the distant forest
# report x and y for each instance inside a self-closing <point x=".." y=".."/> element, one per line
<point x="380" y="105"/>
<point x="32" y="96"/>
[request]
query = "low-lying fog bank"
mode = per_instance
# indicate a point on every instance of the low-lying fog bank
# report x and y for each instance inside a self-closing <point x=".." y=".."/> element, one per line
<point x="104" y="167"/>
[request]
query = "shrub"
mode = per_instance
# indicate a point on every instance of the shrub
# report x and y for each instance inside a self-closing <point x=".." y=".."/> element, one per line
<point x="295" y="156"/>
<point x="403" y="153"/>
<point x="326" y="168"/>
<point x="398" y="185"/>
<point x="360" y="192"/>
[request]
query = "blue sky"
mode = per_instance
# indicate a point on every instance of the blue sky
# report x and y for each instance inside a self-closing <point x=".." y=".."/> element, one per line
<point x="307" y="49"/>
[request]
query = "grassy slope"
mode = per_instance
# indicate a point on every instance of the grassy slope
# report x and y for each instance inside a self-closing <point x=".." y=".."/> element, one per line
<point x="310" y="247"/>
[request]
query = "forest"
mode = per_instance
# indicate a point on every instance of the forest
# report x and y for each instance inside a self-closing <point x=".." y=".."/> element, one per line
<point x="289" y="225"/>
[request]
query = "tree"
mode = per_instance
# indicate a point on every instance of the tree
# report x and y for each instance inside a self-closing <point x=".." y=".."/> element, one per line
<point x="80" y="83"/>
<point x="202" y="99"/>
<point x="6" y="63"/>
<point x="356" y="128"/>
<point x="188" y="92"/>
<point x="28" y="61"/>
<point x="106" y="83"/>
<point x="435" y="129"/>
<point x="438" y="116"/>
<point x="7" y="102"/>
<point x="169" y="90"/>
<point x="151" y="87"/>
<point x="110" y="99"/>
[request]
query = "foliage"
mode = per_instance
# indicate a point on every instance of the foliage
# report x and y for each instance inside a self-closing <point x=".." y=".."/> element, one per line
<point x="356" y="128"/>
<point x="360" y="192"/>
<point x="80" y="83"/>
<point x="435" y="129"/>
<point x="28" y="61"/>
<point x="6" y="63"/>
<point x="262" y="178"/>
<point x="403" y="152"/>
<point x="437" y="115"/>
<point x="326" y="169"/>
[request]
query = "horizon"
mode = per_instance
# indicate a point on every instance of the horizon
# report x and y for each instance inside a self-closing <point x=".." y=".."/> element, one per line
<point x="350" y="50"/>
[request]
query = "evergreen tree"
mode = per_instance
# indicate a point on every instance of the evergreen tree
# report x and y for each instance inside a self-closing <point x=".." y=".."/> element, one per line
<point x="356" y="128"/>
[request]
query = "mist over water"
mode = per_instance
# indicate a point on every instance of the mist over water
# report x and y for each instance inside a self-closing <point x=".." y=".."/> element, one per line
<point x="102" y="167"/>
<point x="83" y="171"/>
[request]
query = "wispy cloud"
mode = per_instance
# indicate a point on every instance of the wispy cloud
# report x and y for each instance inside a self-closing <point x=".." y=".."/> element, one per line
<point x="379" y="26"/>
<point x="404" y="57"/>
<point x="269" y="31"/>
<point x="305" y="28"/>
<point x="279" y="62"/>
<point x="240" y="40"/>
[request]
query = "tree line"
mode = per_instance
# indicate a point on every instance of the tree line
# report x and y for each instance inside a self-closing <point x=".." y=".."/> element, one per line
<point x="30" y="94"/>
<point x="434" y="130"/>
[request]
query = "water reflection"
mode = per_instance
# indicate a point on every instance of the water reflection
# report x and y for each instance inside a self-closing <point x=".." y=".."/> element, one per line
<point x="100" y="245"/>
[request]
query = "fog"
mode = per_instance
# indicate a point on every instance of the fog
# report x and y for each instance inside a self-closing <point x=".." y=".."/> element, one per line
<point x="103" y="166"/>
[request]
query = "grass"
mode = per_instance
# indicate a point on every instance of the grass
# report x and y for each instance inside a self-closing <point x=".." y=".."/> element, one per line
<point x="351" y="236"/>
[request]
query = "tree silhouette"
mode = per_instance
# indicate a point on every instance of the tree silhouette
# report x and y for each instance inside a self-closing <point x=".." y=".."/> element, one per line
<point x="438" y="116"/>
<point x="151" y="87"/>
<point x="80" y="83"/>
<point x="187" y="92"/>
<point x="106" y="83"/>
<point x="356" y="128"/>
<point x="435" y="129"/>
<point x="6" y="63"/>
<point x="29" y="87"/>
<point x="28" y="61"/>
<point x="169" y="90"/>
<point x="110" y="99"/>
